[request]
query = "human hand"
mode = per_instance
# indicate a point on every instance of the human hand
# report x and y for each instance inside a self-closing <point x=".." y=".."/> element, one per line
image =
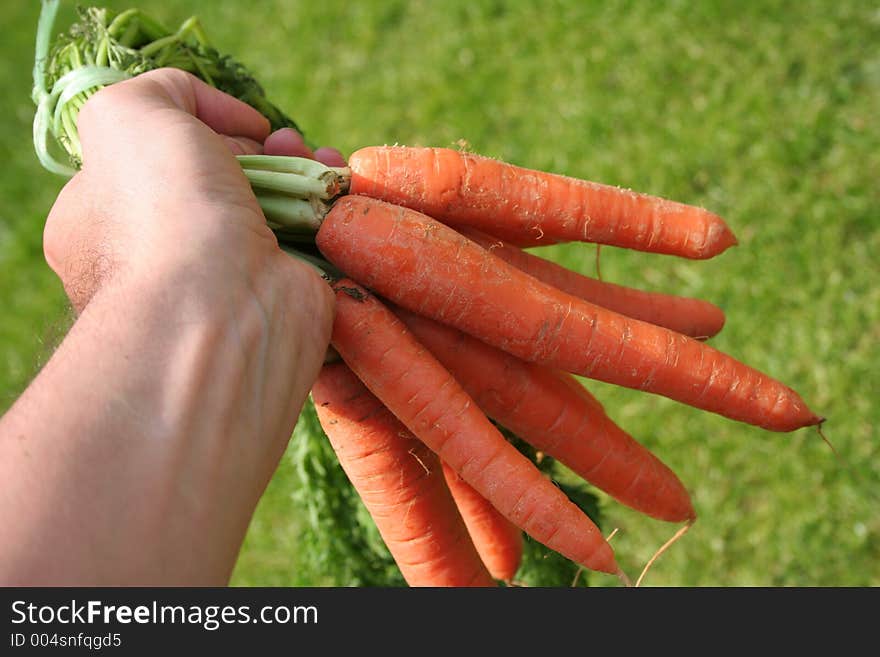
<point x="158" y="190"/>
<point x="147" y="440"/>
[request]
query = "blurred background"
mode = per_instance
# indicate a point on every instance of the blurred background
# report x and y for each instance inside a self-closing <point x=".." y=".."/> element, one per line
<point x="764" y="112"/>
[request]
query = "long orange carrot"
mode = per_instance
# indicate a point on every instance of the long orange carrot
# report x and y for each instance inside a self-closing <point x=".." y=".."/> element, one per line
<point x="555" y="414"/>
<point x="463" y="189"/>
<point x="693" y="317"/>
<point x="428" y="268"/>
<point x="498" y="541"/>
<point x="414" y="386"/>
<point x="400" y="482"/>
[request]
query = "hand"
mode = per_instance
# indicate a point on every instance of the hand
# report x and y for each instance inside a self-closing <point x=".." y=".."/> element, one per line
<point x="159" y="191"/>
<point x="138" y="454"/>
<point x="288" y="141"/>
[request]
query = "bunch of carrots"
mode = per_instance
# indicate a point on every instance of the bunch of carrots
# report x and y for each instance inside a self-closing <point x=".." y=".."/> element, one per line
<point x="443" y="322"/>
<point x="446" y="326"/>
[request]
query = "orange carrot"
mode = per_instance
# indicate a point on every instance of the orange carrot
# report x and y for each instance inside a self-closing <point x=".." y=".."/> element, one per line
<point x="428" y="268"/>
<point x="555" y="414"/>
<point x="414" y="386"/>
<point x="498" y="541"/>
<point x="523" y="241"/>
<point x="400" y="482"/>
<point x="693" y="317"/>
<point x="463" y="189"/>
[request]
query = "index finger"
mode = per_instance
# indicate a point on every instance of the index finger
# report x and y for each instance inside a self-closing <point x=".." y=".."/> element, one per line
<point x="223" y="113"/>
<point x="128" y="104"/>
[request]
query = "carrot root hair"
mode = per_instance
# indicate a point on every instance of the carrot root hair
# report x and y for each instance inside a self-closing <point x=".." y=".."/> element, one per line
<point x="825" y="438"/>
<point x="677" y="535"/>
<point x="844" y="463"/>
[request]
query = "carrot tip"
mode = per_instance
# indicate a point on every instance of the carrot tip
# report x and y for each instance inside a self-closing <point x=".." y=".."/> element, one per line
<point x="719" y="239"/>
<point x="726" y="240"/>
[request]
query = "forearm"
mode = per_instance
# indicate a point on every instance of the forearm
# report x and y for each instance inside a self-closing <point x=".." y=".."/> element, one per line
<point x="114" y="457"/>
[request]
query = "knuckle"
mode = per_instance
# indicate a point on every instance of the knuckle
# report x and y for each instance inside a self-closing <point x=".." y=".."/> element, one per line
<point x="175" y="84"/>
<point x="103" y="113"/>
<point x="111" y="103"/>
<point x="168" y="74"/>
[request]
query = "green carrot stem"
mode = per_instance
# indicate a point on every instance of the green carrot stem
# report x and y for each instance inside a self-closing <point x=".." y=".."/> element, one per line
<point x="286" y="164"/>
<point x="72" y="135"/>
<point x="202" y="70"/>
<point x="127" y="39"/>
<point x="336" y="179"/>
<point x="292" y="184"/>
<point x="155" y="46"/>
<point x="151" y="27"/>
<point x="43" y="41"/>
<point x="122" y="20"/>
<point x="102" y="56"/>
<point x="193" y="26"/>
<point x="294" y="214"/>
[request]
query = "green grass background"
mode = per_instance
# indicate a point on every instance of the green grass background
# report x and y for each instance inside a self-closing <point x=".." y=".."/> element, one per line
<point x="765" y="112"/>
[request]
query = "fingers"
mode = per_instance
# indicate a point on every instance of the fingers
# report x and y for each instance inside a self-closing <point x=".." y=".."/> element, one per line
<point x="220" y="111"/>
<point x="226" y="115"/>
<point x="330" y="156"/>
<point x="124" y="113"/>
<point x="243" y="145"/>
<point x="288" y="141"/>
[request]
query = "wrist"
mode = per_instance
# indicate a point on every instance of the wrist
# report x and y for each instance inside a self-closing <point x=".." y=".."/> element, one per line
<point x="149" y="436"/>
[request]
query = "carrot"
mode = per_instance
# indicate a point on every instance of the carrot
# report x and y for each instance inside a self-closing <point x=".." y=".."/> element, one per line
<point x="693" y="317"/>
<point x="513" y="203"/>
<point x="522" y="241"/>
<point x="426" y="267"/>
<point x="414" y="386"/>
<point x="555" y="414"/>
<point x="400" y="482"/>
<point x="498" y="541"/>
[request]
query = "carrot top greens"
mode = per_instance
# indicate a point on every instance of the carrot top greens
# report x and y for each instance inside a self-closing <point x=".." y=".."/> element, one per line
<point x="103" y="47"/>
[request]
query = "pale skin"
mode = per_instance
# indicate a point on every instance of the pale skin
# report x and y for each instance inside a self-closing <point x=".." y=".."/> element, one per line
<point x="138" y="454"/>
